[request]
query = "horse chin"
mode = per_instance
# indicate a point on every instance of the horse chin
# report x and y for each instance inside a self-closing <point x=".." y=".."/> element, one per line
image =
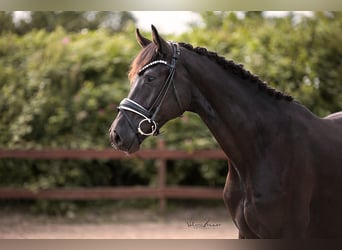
<point x="130" y="145"/>
<point x="130" y="148"/>
<point x="133" y="148"/>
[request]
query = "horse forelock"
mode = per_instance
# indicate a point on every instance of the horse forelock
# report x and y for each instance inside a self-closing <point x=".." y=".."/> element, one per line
<point x="146" y="55"/>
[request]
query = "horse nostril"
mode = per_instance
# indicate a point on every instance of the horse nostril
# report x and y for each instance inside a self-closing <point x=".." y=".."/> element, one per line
<point x="117" y="138"/>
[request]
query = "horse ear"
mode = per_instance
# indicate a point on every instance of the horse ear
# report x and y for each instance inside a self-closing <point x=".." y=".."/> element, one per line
<point x="162" y="45"/>
<point x="141" y="40"/>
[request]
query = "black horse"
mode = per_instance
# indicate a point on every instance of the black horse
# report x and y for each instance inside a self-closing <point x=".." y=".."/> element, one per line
<point x="285" y="163"/>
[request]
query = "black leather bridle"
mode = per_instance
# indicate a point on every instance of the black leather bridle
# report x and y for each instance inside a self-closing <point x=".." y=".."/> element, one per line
<point x="149" y="115"/>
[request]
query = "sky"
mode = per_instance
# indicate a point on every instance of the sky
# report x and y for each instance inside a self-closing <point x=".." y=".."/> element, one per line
<point x="166" y="21"/>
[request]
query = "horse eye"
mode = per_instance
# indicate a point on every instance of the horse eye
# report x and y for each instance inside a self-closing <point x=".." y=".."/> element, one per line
<point x="150" y="78"/>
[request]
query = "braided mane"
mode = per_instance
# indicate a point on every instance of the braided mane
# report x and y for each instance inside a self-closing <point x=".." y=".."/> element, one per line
<point x="148" y="54"/>
<point x="238" y="70"/>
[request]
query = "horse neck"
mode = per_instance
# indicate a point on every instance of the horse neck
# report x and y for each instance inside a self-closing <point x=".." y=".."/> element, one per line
<point x="242" y="118"/>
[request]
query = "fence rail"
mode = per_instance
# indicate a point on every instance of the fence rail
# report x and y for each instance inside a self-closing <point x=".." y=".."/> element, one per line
<point x="112" y="193"/>
<point x="162" y="154"/>
<point x="161" y="192"/>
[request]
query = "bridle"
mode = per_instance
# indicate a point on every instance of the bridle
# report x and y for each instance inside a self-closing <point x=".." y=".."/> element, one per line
<point x="149" y="115"/>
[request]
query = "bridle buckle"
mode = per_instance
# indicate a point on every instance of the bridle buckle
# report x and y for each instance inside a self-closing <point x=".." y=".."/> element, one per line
<point x="153" y="127"/>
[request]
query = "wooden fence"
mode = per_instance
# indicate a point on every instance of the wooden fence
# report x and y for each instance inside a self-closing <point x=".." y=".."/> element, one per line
<point x="161" y="192"/>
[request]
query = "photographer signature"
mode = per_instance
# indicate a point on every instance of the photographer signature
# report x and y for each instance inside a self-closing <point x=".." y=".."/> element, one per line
<point x="206" y="224"/>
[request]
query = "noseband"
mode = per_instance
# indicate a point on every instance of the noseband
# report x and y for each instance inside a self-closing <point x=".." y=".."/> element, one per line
<point x="150" y="114"/>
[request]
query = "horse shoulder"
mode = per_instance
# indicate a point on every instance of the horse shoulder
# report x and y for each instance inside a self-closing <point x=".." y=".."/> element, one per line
<point x="234" y="196"/>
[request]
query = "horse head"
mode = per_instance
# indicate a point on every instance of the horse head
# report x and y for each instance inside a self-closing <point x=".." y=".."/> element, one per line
<point x="158" y="93"/>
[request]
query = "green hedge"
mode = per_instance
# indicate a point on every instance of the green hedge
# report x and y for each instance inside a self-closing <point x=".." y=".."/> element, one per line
<point x="59" y="89"/>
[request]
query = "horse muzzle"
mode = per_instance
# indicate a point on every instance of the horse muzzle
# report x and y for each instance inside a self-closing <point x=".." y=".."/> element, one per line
<point x="122" y="138"/>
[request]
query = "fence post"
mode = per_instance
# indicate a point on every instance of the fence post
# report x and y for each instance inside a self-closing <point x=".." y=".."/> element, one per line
<point x="161" y="166"/>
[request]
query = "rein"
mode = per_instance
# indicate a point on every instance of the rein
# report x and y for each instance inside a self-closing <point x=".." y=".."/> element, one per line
<point x="150" y="114"/>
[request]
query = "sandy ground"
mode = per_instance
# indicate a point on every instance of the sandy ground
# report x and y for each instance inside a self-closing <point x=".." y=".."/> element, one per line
<point x="199" y="223"/>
